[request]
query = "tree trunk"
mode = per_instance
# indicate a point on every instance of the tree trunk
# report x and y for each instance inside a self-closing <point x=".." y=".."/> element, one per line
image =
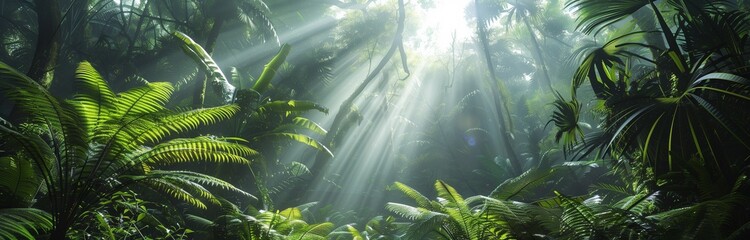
<point x="322" y="159"/>
<point x="539" y="57"/>
<point x="505" y="124"/>
<point x="42" y="67"/>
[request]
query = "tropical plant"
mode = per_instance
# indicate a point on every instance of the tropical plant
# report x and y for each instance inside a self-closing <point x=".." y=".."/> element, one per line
<point x="452" y="217"/>
<point x="667" y="110"/>
<point x="88" y="148"/>
<point x="234" y="223"/>
<point x="260" y="120"/>
<point x="126" y="216"/>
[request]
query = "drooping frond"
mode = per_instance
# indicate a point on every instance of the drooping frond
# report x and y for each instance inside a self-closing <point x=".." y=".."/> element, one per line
<point x="578" y="219"/>
<point x="167" y="123"/>
<point x="565" y="117"/>
<point x="304" y="139"/>
<point x="413" y="213"/>
<point x="309" y="124"/>
<point x="165" y="186"/>
<point x="18" y="182"/>
<point x="203" y="149"/>
<point x="594" y="14"/>
<point x="35" y="101"/>
<point x="313" y="231"/>
<point x="184" y="185"/>
<point x="24" y="223"/>
<point x="255" y="13"/>
<point x="523" y="184"/>
<point x="421" y="200"/>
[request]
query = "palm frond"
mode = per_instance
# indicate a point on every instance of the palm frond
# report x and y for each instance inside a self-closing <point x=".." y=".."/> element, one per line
<point x="24" y="223"/>
<point x="255" y="13"/>
<point x="565" y="117"/>
<point x="595" y="14"/>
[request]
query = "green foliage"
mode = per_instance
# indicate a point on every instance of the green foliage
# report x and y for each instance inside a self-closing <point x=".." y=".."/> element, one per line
<point x="96" y="144"/>
<point x="24" y="223"/>
<point x="18" y="182"/>
<point x="207" y="65"/>
<point x="126" y="216"/>
<point x="253" y="224"/>
<point x="270" y="70"/>
<point x="667" y="110"/>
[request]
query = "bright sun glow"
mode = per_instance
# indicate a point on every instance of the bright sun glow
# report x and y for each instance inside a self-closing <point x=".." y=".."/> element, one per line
<point x="441" y="23"/>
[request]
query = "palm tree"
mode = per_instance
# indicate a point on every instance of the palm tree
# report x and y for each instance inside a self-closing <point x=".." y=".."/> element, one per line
<point x="85" y="149"/>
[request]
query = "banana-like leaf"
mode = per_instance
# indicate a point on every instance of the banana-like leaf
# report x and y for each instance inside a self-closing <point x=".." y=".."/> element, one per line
<point x="270" y="70"/>
<point x="204" y="60"/>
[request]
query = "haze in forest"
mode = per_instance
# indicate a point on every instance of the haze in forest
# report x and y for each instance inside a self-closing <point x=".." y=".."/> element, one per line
<point x="374" y="119"/>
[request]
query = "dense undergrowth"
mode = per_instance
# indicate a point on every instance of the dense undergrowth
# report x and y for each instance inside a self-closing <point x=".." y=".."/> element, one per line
<point x="649" y="139"/>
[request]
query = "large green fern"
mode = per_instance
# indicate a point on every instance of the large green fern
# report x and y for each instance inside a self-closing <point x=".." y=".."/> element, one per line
<point x="101" y="142"/>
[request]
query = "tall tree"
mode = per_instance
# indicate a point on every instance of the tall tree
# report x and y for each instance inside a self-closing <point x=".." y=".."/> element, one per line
<point x="499" y="94"/>
<point x="43" y="64"/>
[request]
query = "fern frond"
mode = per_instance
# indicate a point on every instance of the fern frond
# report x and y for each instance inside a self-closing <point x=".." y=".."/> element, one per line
<point x="304" y="139"/>
<point x="18" y="182"/>
<point x="447" y="192"/>
<point x="523" y="184"/>
<point x="142" y="100"/>
<point x="413" y="213"/>
<point x="165" y="186"/>
<point x="169" y="123"/>
<point x="201" y="223"/>
<point x="24" y="223"/>
<point x="421" y="200"/>
<point x="577" y="219"/>
<point x="95" y="101"/>
<point x="199" y="178"/>
<point x="204" y="149"/>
